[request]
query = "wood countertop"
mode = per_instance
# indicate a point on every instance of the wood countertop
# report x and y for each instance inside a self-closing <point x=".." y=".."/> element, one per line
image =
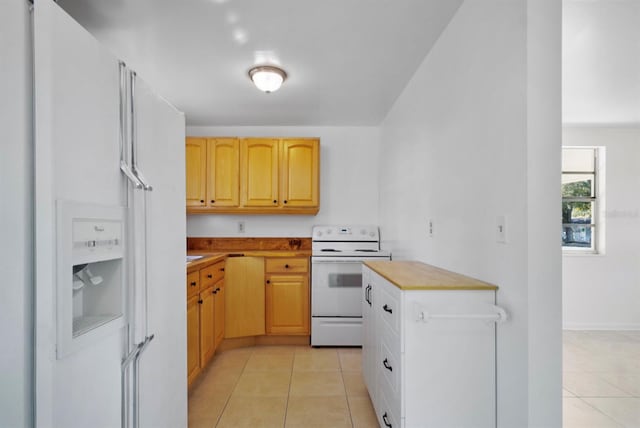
<point x="210" y="258"/>
<point x="411" y="275"/>
<point x="206" y="260"/>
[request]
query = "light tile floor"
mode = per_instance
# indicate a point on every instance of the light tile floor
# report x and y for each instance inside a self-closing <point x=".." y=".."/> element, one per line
<point x="282" y="386"/>
<point x="601" y="379"/>
<point x="291" y="386"/>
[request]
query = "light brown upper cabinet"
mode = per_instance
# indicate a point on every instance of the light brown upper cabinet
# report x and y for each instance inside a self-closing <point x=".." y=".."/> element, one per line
<point x="299" y="173"/>
<point x="196" y="165"/>
<point x="255" y="176"/>
<point x="223" y="167"/>
<point x="259" y="172"/>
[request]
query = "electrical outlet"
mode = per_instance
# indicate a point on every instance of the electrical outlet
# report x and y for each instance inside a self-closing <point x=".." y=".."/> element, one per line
<point x="241" y="227"/>
<point x="501" y="229"/>
<point x="430" y="228"/>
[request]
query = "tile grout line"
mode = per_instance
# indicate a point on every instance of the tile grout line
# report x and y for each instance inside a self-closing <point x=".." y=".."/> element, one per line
<point x="344" y="385"/>
<point x="226" y="403"/>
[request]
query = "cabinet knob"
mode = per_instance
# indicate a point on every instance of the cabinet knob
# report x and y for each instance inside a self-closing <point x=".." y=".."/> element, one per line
<point x="275" y="201"/>
<point x="202" y="201"/>
<point x="268" y="282"/>
<point x="213" y="201"/>
<point x="210" y="276"/>
<point x="200" y="301"/>
<point x="217" y="289"/>
<point x="214" y="292"/>
<point x="286" y="266"/>
<point x="221" y="269"/>
<point x="193" y="284"/>
<point x="285" y="201"/>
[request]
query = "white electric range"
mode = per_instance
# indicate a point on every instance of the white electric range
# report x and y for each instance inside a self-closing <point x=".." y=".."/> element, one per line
<point x="336" y="281"/>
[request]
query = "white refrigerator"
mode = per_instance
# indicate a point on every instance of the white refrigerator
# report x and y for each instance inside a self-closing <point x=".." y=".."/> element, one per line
<point x="109" y="158"/>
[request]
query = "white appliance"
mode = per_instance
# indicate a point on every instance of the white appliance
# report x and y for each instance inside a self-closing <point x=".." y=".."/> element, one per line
<point x="110" y="333"/>
<point x="337" y="254"/>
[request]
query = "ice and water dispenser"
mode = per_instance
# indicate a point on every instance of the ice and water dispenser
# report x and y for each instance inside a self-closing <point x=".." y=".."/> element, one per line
<point x="90" y="274"/>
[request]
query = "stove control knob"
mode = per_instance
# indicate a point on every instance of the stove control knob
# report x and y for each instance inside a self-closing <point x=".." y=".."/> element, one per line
<point x="328" y="231"/>
<point x="319" y="233"/>
<point x="363" y="232"/>
<point x="371" y="234"/>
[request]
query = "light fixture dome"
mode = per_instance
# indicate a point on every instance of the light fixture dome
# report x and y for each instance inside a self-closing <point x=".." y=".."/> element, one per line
<point x="267" y="78"/>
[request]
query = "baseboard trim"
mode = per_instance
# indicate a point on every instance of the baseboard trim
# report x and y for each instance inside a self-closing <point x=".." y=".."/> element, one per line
<point x="245" y="342"/>
<point x="601" y="327"/>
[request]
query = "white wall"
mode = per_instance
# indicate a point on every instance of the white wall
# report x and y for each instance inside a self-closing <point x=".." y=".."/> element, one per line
<point x="459" y="147"/>
<point x="348" y="183"/>
<point x="602" y="291"/>
<point x="16" y="219"/>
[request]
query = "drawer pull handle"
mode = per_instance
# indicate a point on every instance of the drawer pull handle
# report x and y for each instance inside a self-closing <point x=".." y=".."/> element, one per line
<point x="386" y="422"/>
<point x="210" y="276"/>
<point x="386" y="365"/>
<point x="387" y="309"/>
<point x="193" y="284"/>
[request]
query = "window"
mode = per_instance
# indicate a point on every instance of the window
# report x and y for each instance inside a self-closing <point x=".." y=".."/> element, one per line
<point x="580" y="199"/>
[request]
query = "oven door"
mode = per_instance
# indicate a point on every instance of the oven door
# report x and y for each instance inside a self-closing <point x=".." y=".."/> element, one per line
<point x="336" y="286"/>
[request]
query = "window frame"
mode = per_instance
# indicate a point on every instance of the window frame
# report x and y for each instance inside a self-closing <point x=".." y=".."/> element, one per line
<point x="596" y="223"/>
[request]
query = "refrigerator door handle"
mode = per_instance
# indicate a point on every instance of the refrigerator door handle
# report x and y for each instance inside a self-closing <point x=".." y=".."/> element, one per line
<point x="134" y="166"/>
<point x="124" y="167"/>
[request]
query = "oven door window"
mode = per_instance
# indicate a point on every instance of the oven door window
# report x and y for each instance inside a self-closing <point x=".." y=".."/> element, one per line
<point x="336" y="289"/>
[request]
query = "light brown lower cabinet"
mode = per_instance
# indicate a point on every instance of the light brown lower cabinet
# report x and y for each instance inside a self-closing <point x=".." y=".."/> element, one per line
<point x="267" y="296"/>
<point x="193" y="338"/>
<point x="205" y="316"/>
<point x="207" y="325"/>
<point x="287" y="304"/>
<point x="244" y="297"/>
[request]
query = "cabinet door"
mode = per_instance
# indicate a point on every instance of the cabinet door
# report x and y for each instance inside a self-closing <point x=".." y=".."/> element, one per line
<point x="193" y="338"/>
<point x="196" y="171"/>
<point x="223" y="172"/>
<point x="207" y="338"/>
<point x="244" y="297"/>
<point x="287" y="304"/>
<point x="219" y="313"/>
<point x="300" y="163"/>
<point x="259" y="172"/>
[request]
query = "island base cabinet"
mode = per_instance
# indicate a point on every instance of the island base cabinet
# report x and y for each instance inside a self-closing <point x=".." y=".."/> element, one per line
<point x="426" y="361"/>
<point x="449" y="364"/>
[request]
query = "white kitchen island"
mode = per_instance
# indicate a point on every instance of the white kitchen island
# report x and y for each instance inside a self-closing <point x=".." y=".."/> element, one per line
<point x="429" y="346"/>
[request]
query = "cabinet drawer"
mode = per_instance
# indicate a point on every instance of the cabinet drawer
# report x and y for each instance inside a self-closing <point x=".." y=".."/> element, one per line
<point x="388" y="413"/>
<point x="287" y="265"/>
<point x="193" y="284"/>
<point x="389" y="366"/>
<point x="388" y="306"/>
<point x="211" y="274"/>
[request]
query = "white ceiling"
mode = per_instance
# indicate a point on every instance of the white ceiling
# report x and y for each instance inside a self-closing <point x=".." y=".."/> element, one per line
<point x="601" y="62"/>
<point x="347" y="60"/>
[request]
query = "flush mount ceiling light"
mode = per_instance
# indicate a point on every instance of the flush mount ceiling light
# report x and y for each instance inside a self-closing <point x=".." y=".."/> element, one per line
<point x="267" y="78"/>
